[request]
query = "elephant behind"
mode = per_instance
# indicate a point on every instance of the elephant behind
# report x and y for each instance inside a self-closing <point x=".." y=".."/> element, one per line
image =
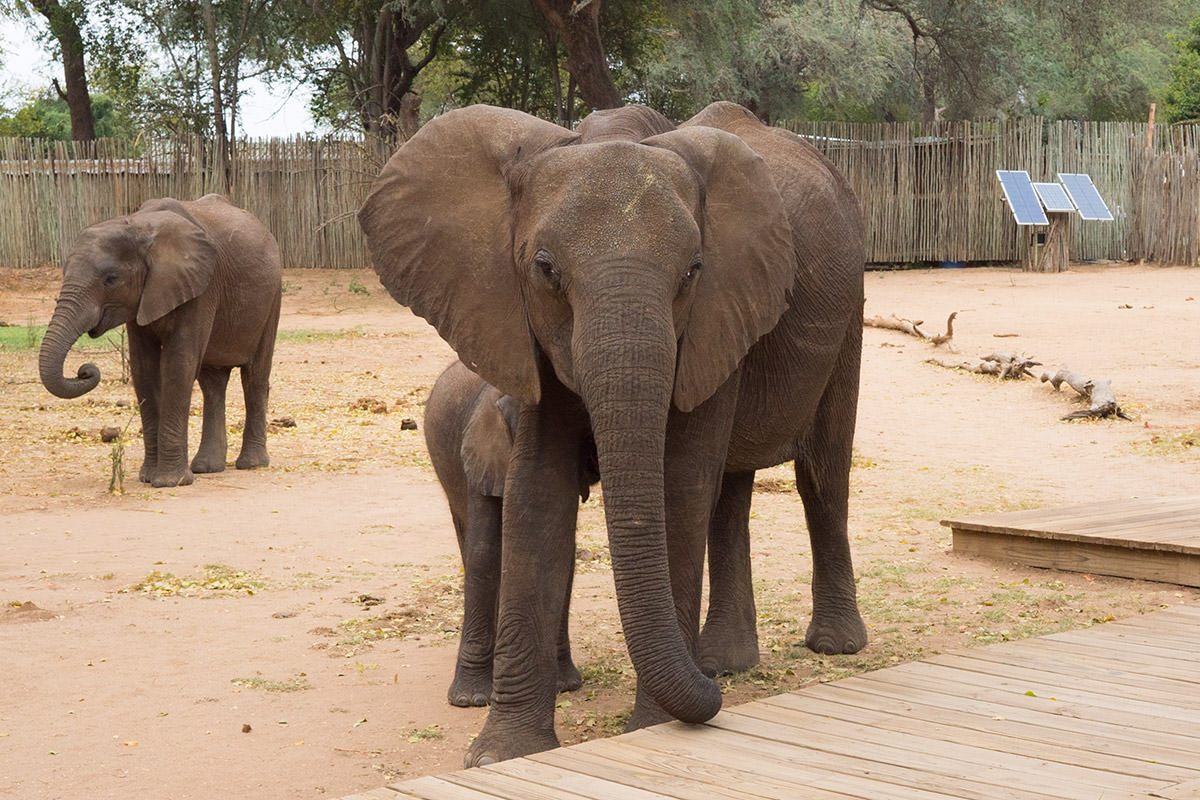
<point x="198" y="286"/>
<point x="469" y="427"/>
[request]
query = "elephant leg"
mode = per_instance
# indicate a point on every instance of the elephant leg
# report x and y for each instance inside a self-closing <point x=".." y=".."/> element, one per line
<point x="694" y="461"/>
<point x="256" y="388"/>
<point x="541" y="497"/>
<point x="479" y="543"/>
<point x="823" y="480"/>
<point x="729" y="640"/>
<point x="144" y="371"/>
<point x="569" y="678"/>
<point x="213" y="443"/>
<point x="179" y="369"/>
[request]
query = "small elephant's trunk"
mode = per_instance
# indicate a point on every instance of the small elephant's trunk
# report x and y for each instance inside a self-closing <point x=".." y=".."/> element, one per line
<point x="627" y="375"/>
<point x="71" y="319"/>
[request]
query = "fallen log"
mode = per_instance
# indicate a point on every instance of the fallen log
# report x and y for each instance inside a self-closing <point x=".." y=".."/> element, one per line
<point x="913" y="328"/>
<point x="1006" y="366"/>
<point x="1102" y="398"/>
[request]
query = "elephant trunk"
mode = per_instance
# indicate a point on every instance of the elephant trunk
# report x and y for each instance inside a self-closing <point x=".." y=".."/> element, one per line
<point x="626" y="369"/>
<point x="70" y="321"/>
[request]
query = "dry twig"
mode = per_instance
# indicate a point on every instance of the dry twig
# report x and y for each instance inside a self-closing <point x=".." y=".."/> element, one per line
<point x="913" y="328"/>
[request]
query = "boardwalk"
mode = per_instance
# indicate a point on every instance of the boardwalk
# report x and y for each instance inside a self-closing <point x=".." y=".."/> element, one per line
<point x="1155" y="539"/>
<point x="1109" y="712"/>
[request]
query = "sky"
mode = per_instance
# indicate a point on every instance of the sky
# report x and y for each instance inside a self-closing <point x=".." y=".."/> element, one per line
<point x="263" y="112"/>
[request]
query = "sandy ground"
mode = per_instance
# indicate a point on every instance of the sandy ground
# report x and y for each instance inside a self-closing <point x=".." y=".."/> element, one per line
<point x="290" y="632"/>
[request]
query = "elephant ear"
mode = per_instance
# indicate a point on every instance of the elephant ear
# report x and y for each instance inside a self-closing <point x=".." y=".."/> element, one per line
<point x="438" y="224"/>
<point x="748" y="266"/>
<point x="180" y="261"/>
<point x="487" y="445"/>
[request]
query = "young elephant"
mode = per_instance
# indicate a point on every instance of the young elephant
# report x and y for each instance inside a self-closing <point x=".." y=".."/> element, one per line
<point x="198" y="286"/>
<point x="469" y="429"/>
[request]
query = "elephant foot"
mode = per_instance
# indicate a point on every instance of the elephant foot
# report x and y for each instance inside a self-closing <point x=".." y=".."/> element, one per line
<point x="165" y="478"/>
<point x="252" y="458"/>
<point x="833" y="634"/>
<point x="146" y="473"/>
<point x="722" y="650"/>
<point x="204" y="463"/>
<point x="471" y="687"/>
<point x="502" y="742"/>
<point x="646" y="712"/>
<point x="569" y="678"/>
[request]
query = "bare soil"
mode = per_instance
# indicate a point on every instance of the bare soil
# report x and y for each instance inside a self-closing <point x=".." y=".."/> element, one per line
<point x="291" y="632"/>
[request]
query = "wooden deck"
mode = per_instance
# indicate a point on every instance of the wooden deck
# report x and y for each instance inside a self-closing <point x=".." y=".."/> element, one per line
<point x="1108" y="712"/>
<point x="1155" y="539"/>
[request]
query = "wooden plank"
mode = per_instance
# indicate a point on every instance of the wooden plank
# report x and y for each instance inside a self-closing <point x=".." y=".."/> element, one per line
<point x="937" y="759"/>
<point x="676" y="772"/>
<point x="1012" y="739"/>
<point x="1037" y="517"/>
<point x="835" y="763"/>
<point x="1146" y="664"/>
<point x="1005" y="764"/>
<point x="1097" y="737"/>
<point x="1151" y="565"/>
<point x="434" y="788"/>
<point x="1189" y="790"/>
<point x="1056" y="663"/>
<point x="1155" y="691"/>
<point x="720" y="742"/>
<point x="529" y="779"/>
<point x="1144" y="715"/>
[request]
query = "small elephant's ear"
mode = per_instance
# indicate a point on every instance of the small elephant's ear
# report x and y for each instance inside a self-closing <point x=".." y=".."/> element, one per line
<point x="180" y="261"/>
<point x="487" y="446"/>
<point x="438" y="224"/>
<point x="748" y="262"/>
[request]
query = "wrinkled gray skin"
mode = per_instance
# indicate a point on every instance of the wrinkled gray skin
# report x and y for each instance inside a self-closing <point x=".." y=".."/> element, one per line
<point x="197" y="285"/>
<point x="469" y="428"/>
<point x="693" y="299"/>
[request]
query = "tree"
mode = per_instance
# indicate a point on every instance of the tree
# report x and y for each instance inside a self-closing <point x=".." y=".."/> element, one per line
<point x="45" y="115"/>
<point x="65" y="20"/>
<point x="379" y="48"/>
<point x="577" y="23"/>
<point x="1181" y="97"/>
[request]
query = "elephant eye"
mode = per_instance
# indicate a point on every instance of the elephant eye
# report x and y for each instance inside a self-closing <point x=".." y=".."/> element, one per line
<point x="691" y="274"/>
<point x="546" y="267"/>
<point x="110" y="279"/>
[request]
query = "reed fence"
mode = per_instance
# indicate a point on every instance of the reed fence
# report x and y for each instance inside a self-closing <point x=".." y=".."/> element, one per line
<point x="928" y="192"/>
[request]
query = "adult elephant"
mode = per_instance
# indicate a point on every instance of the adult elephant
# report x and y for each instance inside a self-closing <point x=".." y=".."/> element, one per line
<point x="198" y="286"/>
<point x="695" y="300"/>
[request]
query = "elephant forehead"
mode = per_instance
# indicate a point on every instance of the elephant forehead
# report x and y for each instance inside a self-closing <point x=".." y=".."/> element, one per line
<point x="614" y="189"/>
<point x="111" y="238"/>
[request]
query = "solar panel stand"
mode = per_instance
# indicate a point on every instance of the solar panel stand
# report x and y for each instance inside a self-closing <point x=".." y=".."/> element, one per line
<point x="1055" y="253"/>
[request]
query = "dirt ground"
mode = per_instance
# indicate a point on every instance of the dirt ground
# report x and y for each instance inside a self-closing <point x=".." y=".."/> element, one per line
<point x="291" y="632"/>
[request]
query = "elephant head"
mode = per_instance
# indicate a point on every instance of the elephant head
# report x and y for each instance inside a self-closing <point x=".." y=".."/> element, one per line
<point x="641" y="271"/>
<point x="133" y="268"/>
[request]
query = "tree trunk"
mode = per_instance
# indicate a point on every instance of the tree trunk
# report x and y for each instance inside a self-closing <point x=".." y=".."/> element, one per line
<point x="65" y="29"/>
<point x="578" y="24"/>
<point x="220" y="133"/>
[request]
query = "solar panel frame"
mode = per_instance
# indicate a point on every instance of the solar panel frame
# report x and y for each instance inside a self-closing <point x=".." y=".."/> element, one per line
<point x="1084" y="195"/>
<point x="1053" y="196"/>
<point x="1022" y="199"/>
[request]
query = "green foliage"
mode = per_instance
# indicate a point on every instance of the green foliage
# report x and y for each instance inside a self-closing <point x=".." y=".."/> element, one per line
<point x="1181" y="97"/>
<point x="44" y="115"/>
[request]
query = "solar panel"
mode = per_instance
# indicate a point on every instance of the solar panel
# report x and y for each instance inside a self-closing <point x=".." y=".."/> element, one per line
<point x="1084" y="195"/>
<point x="1053" y="197"/>
<point x="1018" y="190"/>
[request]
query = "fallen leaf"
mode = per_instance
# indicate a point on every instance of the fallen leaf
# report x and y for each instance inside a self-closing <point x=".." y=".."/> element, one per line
<point x="130" y="744"/>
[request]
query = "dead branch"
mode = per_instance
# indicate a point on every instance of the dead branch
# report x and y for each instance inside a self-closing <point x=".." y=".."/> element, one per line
<point x="1006" y="366"/>
<point x="1102" y="398"/>
<point x="913" y="328"/>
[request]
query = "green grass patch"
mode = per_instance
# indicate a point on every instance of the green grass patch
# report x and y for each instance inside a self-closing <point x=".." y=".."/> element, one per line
<point x="425" y="734"/>
<point x="29" y="337"/>
<point x="1175" y="443"/>
<point x="309" y="336"/>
